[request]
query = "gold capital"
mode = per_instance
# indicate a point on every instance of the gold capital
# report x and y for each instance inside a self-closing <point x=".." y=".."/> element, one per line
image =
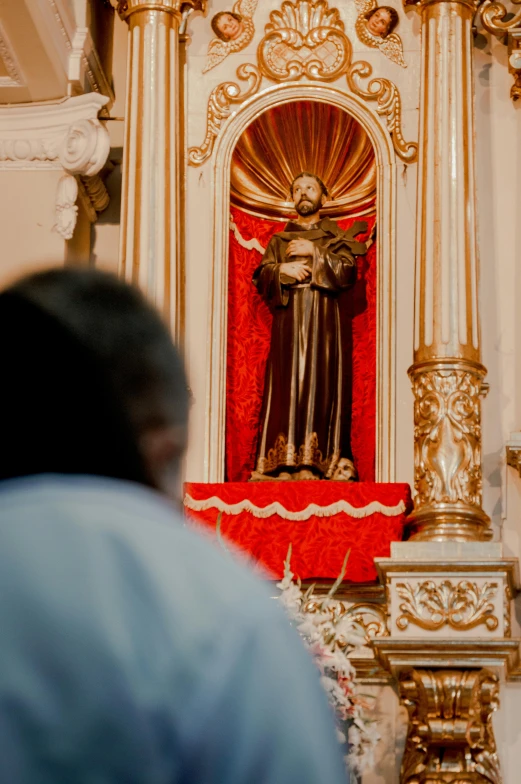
<point x="175" y="7"/>
<point x="421" y="4"/>
<point x="451" y="738"/>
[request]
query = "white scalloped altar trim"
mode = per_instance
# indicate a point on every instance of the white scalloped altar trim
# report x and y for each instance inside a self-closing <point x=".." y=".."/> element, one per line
<point x="276" y="508"/>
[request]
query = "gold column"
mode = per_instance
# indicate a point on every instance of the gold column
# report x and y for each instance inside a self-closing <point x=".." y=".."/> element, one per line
<point x="151" y="252"/>
<point x="447" y="374"/>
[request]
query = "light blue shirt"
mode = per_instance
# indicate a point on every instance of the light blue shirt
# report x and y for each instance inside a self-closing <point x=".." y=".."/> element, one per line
<point x="132" y="650"/>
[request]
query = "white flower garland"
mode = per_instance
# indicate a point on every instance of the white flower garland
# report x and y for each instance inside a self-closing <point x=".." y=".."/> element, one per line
<point x="330" y="640"/>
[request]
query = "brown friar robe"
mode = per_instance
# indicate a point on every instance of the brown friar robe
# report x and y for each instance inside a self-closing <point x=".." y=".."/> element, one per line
<point x="300" y="423"/>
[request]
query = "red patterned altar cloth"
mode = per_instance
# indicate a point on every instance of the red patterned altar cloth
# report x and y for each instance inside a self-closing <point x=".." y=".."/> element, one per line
<point x="321" y="521"/>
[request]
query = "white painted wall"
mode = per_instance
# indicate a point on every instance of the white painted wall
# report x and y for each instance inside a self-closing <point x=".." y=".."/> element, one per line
<point x="27" y="202"/>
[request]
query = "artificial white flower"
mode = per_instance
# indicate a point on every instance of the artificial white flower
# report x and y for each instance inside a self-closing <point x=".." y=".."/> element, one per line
<point x="330" y="641"/>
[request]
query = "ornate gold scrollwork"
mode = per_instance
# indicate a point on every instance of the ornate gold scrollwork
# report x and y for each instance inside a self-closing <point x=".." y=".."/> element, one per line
<point x="304" y="38"/>
<point x="371" y="617"/>
<point x="447" y="437"/>
<point x="507" y="630"/>
<point x="497" y="20"/>
<point x="219" y="103"/>
<point x="389" y="105"/>
<point x="432" y="605"/>
<point x="450" y="737"/>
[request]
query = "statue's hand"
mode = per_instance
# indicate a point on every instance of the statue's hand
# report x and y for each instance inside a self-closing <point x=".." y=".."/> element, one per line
<point x="295" y="269"/>
<point x="300" y="248"/>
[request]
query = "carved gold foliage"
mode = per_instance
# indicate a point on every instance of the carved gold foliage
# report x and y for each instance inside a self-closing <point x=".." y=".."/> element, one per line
<point x="496" y="19"/>
<point x="304" y="38"/>
<point x="507" y="629"/>
<point x="432" y="605"/>
<point x="219" y="108"/>
<point x="388" y="105"/>
<point x="369" y="617"/>
<point x="450" y="737"/>
<point x="447" y="437"/>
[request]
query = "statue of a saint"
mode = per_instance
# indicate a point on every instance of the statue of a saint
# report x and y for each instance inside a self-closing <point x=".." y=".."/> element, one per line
<point x="304" y="269"/>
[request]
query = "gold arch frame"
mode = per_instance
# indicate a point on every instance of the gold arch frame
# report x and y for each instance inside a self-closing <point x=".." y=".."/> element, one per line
<point x="215" y="409"/>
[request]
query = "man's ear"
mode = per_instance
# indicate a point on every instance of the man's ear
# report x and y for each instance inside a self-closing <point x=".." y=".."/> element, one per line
<point x="323" y="199"/>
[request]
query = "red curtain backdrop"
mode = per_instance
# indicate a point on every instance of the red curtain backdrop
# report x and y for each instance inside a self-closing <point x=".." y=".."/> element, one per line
<point x="249" y="325"/>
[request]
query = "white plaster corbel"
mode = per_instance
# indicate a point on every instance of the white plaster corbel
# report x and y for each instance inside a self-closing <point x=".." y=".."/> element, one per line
<point x="66" y="208"/>
<point x="82" y="153"/>
<point x="65" y="135"/>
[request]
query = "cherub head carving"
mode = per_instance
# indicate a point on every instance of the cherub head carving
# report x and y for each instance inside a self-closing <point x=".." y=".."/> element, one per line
<point x="233" y="31"/>
<point x="375" y="28"/>
<point x="382" y="20"/>
<point x="227" y="25"/>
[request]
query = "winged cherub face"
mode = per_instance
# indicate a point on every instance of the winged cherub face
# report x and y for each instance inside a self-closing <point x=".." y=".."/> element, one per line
<point x="379" y="22"/>
<point x="227" y="26"/>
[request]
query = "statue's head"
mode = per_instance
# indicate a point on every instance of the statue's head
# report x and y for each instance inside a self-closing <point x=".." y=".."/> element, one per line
<point x="308" y="192"/>
<point x="227" y="25"/>
<point x="382" y="20"/>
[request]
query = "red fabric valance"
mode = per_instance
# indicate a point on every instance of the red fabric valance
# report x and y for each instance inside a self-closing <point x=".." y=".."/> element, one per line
<point x="336" y="517"/>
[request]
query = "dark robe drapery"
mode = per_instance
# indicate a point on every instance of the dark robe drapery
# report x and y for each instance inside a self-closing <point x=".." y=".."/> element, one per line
<point x="300" y="424"/>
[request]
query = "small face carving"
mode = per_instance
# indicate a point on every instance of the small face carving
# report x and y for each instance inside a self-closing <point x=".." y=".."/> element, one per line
<point x="345" y="471"/>
<point x="229" y="27"/>
<point x="379" y="22"/>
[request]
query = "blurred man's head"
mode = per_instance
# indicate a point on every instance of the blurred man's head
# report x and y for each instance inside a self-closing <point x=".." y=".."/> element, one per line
<point x="91" y="382"/>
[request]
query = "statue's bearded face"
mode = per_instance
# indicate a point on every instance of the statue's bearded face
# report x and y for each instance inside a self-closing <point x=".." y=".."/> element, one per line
<point x="307" y="196"/>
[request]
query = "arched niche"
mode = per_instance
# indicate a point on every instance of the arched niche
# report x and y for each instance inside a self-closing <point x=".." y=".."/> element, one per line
<point x="385" y="308"/>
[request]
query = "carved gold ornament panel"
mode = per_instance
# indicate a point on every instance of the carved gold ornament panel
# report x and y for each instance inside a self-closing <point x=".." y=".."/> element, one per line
<point x="447" y="437"/>
<point x="450" y="737"/>
<point x="370" y="617"/>
<point x="304" y="38"/>
<point x="498" y="20"/>
<point x="219" y="109"/>
<point x="388" y="105"/>
<point x="460" y="605"/>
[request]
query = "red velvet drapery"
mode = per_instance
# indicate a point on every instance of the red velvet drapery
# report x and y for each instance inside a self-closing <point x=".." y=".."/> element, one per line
<point x="249" y="324"/>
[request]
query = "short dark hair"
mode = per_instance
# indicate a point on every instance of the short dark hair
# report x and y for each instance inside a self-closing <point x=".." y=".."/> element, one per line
<point x="215" y="23"/>
<point x="94" y="356"/>
<point x="393" y="13"/>
<point x="325" y="191"/>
